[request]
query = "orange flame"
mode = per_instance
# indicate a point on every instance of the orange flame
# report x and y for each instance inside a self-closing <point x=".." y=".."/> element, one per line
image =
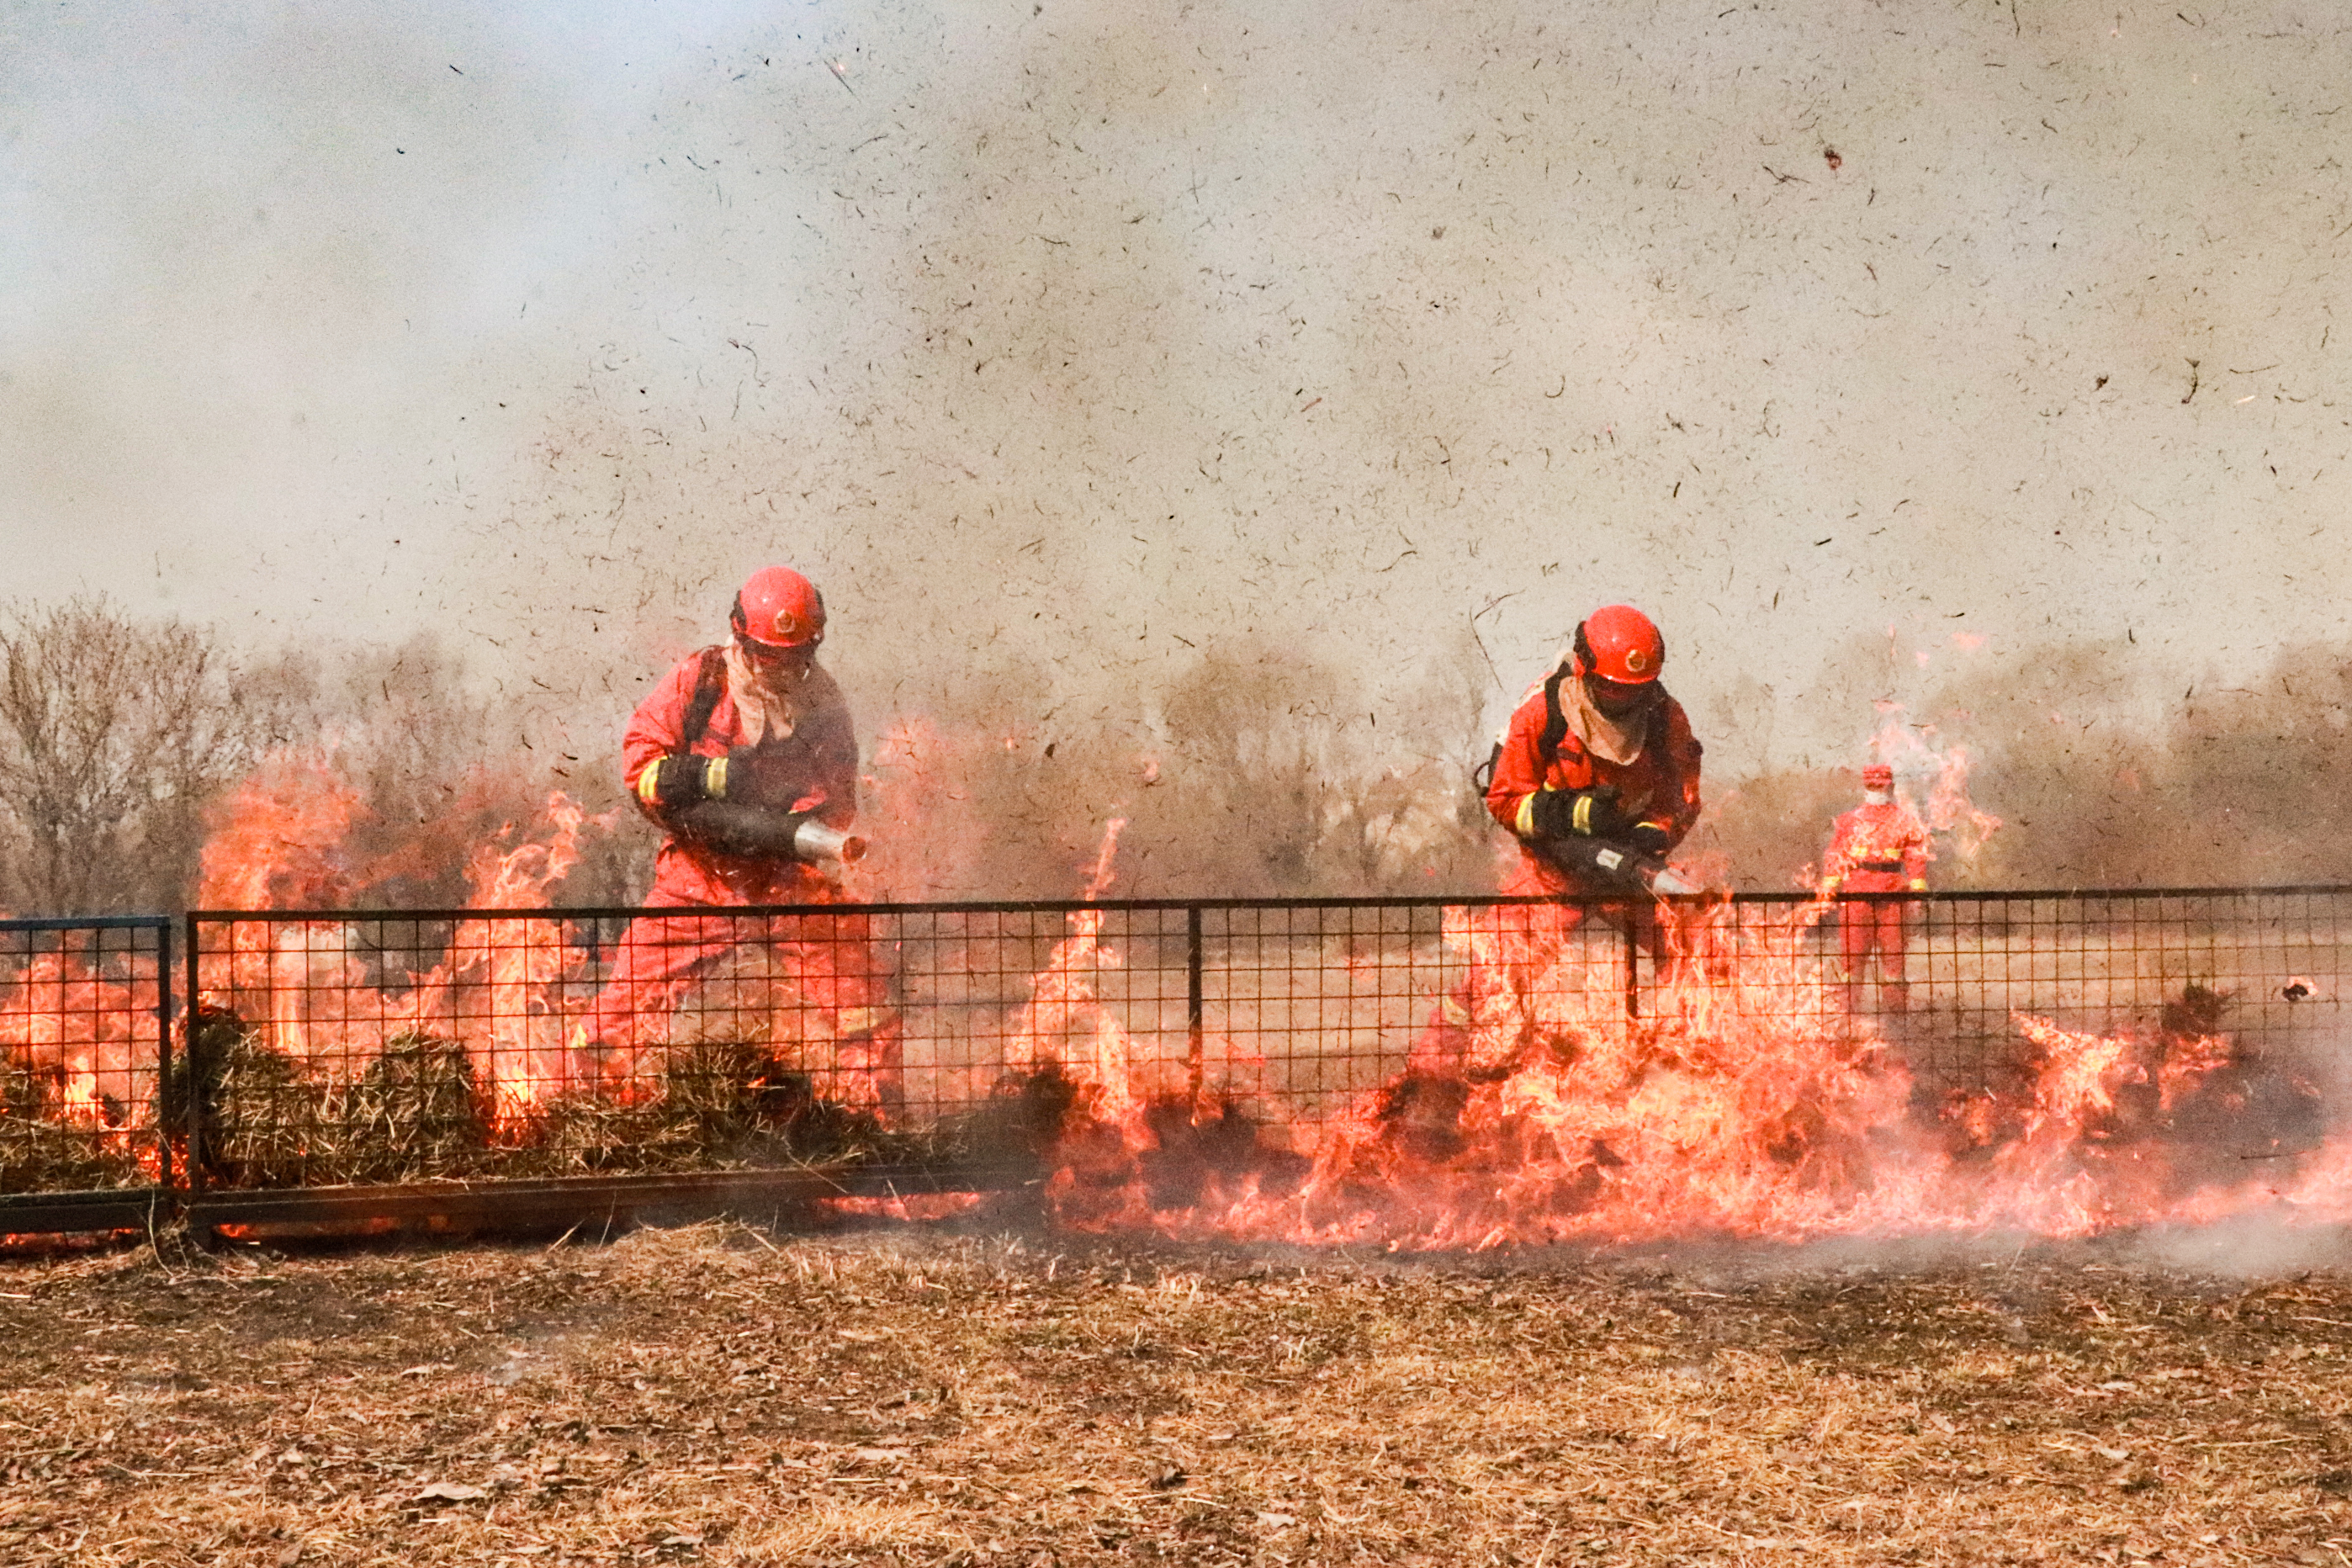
<point x="1746" y="1099"/>
<point x="279" y="844"/>
<point x="1746" y="1102"/>
<point x="520" y="1052"/>
<point x="83" y="1030"/>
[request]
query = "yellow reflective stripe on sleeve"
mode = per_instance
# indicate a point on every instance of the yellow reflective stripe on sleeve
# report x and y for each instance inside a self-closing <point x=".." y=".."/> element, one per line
<point x="1524" y="823"/>
<point x="714" y="778"/>
<point x="649" y="782"/>
<point x="1581" y="818"/>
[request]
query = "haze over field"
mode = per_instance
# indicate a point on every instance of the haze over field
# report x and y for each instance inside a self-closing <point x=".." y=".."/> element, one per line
<point x="1058" y="346"/>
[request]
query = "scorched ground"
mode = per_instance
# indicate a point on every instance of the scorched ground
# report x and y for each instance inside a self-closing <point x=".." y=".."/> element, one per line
<point x="724" y="1395"/>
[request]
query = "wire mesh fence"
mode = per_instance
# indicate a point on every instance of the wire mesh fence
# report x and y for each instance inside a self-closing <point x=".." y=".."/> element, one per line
<point x="383" y="1047"/>
<point x="84" y="1050"/>
<point x="392" y="1047"/>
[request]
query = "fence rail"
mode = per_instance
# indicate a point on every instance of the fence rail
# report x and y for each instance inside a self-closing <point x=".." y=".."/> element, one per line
<point x="389" y="1048"/>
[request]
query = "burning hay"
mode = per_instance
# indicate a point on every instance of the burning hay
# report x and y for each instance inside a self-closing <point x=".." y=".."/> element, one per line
<point x="76" y="1089"/>
<point x="1744" y="1101"/>
<point x="1687" y="1071"/>
<point x="50" y="1142"/>
<point x="421" y="1111"/>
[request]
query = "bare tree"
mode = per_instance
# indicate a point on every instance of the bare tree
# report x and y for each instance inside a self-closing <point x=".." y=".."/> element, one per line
<point x="113" y="735"/>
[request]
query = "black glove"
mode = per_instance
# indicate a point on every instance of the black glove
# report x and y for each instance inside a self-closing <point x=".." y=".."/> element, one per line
<point x="673" y="782"/>
<point x="1650" y="838"/>
<point x="751" y="776"/>
<point x="730" y="827"/>
<point x="1603" y="864"/>
<point x="1578" y="813"/>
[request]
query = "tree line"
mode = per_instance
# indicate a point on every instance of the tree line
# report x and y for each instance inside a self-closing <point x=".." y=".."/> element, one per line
<point x="123" y="740"/>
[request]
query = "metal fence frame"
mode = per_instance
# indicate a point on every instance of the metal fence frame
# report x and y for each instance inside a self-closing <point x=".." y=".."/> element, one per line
<point x="113" y="1208"/>
<point x="2081" y="918"/>
<point x="1993" y="915"/>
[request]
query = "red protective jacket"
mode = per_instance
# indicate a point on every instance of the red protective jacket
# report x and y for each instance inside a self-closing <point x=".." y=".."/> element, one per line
<point x="823" y="747"/>
<point x="1877" y="850"/>
<point x="1660" y="785"/>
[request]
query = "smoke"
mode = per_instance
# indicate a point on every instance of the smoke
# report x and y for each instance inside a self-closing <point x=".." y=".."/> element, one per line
<point x="1059" y="349"/>
<point x="1257" y="773"/>
<point x="2104" y="773"/>
<point x="1066" y="352"/>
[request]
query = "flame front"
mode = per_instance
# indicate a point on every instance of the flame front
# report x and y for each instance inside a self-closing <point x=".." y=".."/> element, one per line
<point x="76" y="1033"/>
<point x="301" y="987"/>
<point x="1747" y="1099"/>
<point x="1745" y="1102"/>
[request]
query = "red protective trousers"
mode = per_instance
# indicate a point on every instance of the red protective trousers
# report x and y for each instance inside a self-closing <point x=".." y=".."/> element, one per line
<point x="1484" y="1018"/>
<point x="1876" y="930"/>
<point x="808" y="979"/>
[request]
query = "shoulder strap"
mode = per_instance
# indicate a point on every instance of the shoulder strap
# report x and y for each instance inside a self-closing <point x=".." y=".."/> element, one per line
<point x="709" y="684"/>
<point x="1555" y="728"/>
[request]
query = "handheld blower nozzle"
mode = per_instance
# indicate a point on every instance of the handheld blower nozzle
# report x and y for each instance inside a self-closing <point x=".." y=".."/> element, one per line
<point x="1598" y="861"/>
<point x="813" y="841"/>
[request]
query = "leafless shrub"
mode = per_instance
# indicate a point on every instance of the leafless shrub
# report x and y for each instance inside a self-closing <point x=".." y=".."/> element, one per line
<point x="1257" y="772"/>
<point x="119" y="738"/>
<point x="113" y="735"/>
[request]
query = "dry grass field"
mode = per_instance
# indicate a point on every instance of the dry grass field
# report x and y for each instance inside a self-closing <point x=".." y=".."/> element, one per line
<point x="997" y="1394"/>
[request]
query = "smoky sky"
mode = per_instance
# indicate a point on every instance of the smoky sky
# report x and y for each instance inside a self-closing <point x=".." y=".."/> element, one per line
<point x="1060" y="342"/>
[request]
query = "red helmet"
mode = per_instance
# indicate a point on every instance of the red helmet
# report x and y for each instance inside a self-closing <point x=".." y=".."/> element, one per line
<point x="1618" y="643"/>
<point x="1878" y="775"/>
<point x="779" y="608"/>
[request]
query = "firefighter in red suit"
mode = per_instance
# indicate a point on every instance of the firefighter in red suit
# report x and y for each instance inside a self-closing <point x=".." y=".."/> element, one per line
<point x="735" y="752"/>
<point x="1597" y="777"/>
<point x="1879" y="846"/>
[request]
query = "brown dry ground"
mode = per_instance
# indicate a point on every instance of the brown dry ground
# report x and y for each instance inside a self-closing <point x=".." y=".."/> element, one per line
<point x="717" y="1393"/>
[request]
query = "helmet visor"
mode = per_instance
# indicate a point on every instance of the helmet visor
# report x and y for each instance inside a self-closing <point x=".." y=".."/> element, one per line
<point x="776" y="659"/>
<point x="1618" y="699"/>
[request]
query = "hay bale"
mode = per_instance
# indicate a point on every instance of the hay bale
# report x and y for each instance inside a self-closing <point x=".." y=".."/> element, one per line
<point x="265" y="1124"/>
<point x="719" y="1104"/>
<point x="42" y="1150"/>
<point x="418" y="1113"/>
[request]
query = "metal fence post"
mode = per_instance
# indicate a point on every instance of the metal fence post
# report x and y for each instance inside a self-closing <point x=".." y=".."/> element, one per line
<point x="192" y="1087"/>
<point x="1192" y="1046"/>
<point x="1630" y="924"/>
<point x="162" y="1051"/>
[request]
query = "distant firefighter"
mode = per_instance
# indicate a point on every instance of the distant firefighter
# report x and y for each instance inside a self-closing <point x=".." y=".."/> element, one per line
<point x="745" y="756"/>
<point x="1597" y="777"/>
<point x="1879" y="846"/>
